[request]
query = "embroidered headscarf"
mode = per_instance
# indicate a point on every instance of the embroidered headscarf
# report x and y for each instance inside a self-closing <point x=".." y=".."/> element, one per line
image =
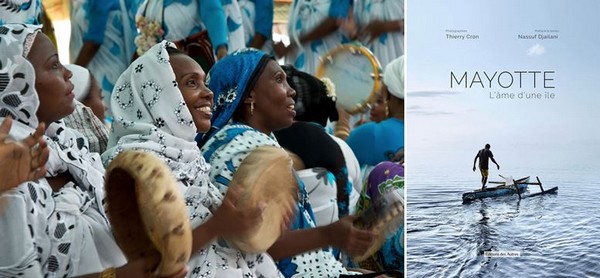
<point x="237" y="75"/>
<point x="18" y="97"/>
<point x="150" y="114"/>
<point x="393" y="77"/>
<point x="73" y="216"/>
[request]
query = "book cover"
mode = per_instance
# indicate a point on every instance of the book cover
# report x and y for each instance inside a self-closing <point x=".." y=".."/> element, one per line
<point x="521" y="77"/>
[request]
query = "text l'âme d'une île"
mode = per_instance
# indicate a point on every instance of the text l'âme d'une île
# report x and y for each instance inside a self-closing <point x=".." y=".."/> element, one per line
<point x="517" y="84"/>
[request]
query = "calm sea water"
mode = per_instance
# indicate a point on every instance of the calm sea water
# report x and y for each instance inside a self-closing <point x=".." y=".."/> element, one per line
<point x="556" y="235"/>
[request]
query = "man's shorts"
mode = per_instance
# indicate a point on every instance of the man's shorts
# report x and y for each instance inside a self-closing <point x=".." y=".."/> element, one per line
<point x="484" y="172"/>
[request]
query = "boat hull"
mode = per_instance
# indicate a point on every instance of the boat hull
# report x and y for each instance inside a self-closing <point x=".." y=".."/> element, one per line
<point x="494" y="192"/>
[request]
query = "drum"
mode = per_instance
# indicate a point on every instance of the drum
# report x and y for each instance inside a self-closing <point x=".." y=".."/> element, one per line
<point x="356" y="74"/>
<point x="384" y="217"/>
<point x="147" y="212"/>
<point x="265" y="175"/>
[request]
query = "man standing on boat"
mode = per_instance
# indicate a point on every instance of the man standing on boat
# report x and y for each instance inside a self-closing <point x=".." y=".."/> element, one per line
<point x="484" y="155"/>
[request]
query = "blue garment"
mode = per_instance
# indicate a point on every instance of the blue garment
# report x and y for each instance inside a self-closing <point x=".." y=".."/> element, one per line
<point x="305" y="16"/>
<point x="110" y="24"/>
<point x="28" y="12"/>
<point x="390" y="45"/>
<point x="376" y="142"/>
<point x="98" y="18"/>
<point x="257" y="18"/>
<point x="225" y="151"/>
<point x="196" y="14"/>
<point x="263" y="23"/>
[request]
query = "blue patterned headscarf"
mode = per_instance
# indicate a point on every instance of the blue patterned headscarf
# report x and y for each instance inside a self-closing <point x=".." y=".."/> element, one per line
<point x="231" y="79"/>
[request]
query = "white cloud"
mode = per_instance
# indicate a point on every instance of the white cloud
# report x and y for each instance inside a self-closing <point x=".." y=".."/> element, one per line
<point x="536" y="50"/>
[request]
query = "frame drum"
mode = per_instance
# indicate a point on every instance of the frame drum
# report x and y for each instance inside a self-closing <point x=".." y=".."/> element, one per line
<point x="356" y="74"/>
<point x="265" y="175"/>
<point x="147" y="212"/>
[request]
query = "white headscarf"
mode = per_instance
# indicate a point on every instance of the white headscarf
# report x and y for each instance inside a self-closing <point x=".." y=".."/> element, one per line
<point x="82" y="81"/>
<point x="150" y="114"/>
<point x="393" y="77"/>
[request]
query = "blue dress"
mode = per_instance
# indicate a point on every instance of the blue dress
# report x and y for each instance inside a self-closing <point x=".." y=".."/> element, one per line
<point x="226" y="151"/>
<point x="109" y="23"/>
<point x="387" y="46"/>
<point x="305" y="15"/>
<point x="257" y="18"/>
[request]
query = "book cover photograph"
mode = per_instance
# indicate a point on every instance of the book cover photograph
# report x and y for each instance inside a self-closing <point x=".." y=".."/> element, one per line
<point x="502" y="126"/>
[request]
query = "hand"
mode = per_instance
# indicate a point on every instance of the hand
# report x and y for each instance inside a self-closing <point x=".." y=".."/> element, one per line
<point x="349" y="238"/>
<point x="221" y="52"/>
<point x="474" y="168"/>
<point x="348" y="25"/>
<point x="23" y="160"/>
<point x="373" y="30"/>
<point x="141" y="268"/>
<point x="498" y="166"/>
<point x="229" y="219"/>
<point x="280" y="49"/>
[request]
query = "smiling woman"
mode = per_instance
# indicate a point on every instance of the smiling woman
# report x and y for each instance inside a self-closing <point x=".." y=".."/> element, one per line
<point x="165" y="124"/>
<point x="253" y="99"/>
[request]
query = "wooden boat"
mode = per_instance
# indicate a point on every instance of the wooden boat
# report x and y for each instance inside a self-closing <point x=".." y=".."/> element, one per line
<point x="505" y="188"/>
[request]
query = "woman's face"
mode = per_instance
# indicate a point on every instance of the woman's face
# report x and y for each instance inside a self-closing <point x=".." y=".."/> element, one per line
<point x="377" y="113"/>
<point x="273" y="99"/>
<point x="94" y="99"/>
<point x="52" y="81"/>
<point x="198" y="98"/>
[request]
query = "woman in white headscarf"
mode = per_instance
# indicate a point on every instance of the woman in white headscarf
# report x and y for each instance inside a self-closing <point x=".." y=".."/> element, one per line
<point x="55" y="226"/>
<point x="159" y="103"/>
<point x="384" y="141"/>
<point x="88" y="117"/>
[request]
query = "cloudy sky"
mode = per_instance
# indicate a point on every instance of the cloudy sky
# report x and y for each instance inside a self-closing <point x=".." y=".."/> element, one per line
<point x="455" y="122"/>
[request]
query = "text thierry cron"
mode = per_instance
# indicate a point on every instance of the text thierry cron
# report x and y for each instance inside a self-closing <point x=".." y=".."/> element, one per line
<point x="530" y="84"/>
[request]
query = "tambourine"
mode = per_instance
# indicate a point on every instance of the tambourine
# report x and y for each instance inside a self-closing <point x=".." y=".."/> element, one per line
<point x="384" y="217"/>
<point x="265" y="175"/>
<point x="356" y="73"/>
<point x="147" y="212"/>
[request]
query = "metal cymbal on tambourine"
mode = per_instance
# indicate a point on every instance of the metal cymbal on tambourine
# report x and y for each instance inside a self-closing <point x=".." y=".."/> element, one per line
<point x="265" y="175"/>
<point x="356" y="74"/>
<point x="147" y="212"/>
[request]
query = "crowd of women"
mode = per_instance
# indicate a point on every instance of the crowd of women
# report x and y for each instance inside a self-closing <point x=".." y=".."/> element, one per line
<point x="213" y="102"/>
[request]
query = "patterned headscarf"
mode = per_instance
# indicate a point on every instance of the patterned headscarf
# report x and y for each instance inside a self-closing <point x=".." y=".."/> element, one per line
<point x="231" y="80"/>
<point x="150" y="114"/>
<point x="18" y="97"/>
<point x="384" y="176"/>
<point x="385" y="184"/>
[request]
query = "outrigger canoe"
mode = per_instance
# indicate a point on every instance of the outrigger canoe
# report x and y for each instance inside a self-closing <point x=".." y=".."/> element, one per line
<point x="502" y="190"/>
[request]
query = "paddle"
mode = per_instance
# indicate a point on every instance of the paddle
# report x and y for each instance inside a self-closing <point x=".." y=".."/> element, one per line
<point x="517" y="188"/>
